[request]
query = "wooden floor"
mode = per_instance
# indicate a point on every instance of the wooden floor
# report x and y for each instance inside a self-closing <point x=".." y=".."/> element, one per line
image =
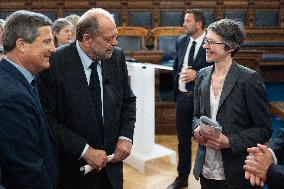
<point x="159" y="173"/>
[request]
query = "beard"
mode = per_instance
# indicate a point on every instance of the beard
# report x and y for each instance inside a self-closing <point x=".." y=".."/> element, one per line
<point x="191" y="30"/>
<point x="98" y="54"/>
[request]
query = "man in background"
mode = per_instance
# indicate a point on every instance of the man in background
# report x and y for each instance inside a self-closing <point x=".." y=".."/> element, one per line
<point x="89" y="104"/>
<point x="28" y="156"/>
<point x="190" y="57"/>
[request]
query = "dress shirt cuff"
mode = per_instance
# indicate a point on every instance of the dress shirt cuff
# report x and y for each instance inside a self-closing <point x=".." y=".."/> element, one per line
<point x="273" y="155"/>
<point x="125" y="138"/>
<point x="84" y="151"/>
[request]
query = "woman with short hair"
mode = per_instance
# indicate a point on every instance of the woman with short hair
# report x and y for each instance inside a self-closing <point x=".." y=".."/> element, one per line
<point x="234" y="96"/>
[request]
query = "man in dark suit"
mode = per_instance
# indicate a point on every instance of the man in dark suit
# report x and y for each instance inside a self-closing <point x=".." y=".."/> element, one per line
<point x="266" y="164"/>
<point x="28" y="156"/>
<point x="89" y="104"/>
<point x="189" y="59"/>
<point x="1" y="187"/>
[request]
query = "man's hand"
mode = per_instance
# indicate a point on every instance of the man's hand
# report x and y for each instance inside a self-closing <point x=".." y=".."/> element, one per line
<point x="187" y="75"/>
<point x="198" y="137"/>
<point x="254" y="180"/>
<point x="96" y="158"/>
<point x="258" y="162"/>
<point x="122" y="150"/>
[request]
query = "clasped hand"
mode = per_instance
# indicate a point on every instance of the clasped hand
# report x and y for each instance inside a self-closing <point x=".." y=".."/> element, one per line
<point x="96" y="158"/>
<point x="257" y="164"/>
<point x="122" y="150"/>
<point x="212" y="141"/>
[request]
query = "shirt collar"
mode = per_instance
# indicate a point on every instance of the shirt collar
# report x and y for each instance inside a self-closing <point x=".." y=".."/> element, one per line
<point x="86" y="61"/>
<point x="199" y="40"/>
<point x="28" y="75"/>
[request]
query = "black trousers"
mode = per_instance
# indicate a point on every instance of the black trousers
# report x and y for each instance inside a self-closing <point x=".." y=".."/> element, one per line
<point x="184" y="115"/>
<point x="221" y="184"/>
<point x="212" y="184"/>
<point x="92" y="180"/>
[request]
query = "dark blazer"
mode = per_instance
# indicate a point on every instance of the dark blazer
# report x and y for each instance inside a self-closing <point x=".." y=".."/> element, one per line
<point x="199" y="61"/>
<point x="67" y="102"/>
<point x="243" y="112"/>
<point x="28" y="154"/>
<point x="1" y="187"/>
<point x="275" y="173"/>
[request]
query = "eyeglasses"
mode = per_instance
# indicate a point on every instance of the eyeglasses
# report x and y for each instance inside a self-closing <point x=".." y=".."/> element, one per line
<point x="210" y="42"/>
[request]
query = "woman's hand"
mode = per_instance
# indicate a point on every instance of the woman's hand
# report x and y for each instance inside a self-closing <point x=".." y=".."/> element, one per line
<point x="198" y="136"/>
<point x="217" y="143"/>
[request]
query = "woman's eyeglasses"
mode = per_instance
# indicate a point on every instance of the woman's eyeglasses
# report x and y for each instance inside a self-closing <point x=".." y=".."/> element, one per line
<point x="211" y="42"/>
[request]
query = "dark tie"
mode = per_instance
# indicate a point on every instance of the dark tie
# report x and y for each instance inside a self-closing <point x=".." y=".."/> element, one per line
<point x="35" y="90"/>
<point x="95" y="91"/>
<point x="191" y="54"/>
<point x="190" y="86"/>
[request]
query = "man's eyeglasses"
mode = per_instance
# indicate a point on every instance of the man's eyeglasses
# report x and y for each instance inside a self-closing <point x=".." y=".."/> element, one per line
<point x="210" y="42"/>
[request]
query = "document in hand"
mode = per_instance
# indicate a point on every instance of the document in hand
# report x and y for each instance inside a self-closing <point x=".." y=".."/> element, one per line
<point x="210" y="127"/>
<point x="87" y="168"/>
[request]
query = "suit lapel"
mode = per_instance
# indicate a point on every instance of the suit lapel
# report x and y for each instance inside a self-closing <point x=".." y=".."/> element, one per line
<point x="16" y="73"/>
<point x="183" y="45"/>
<point x="200" y="54"/>
<point x="109" y="89"/>
<point x="229" y="83"/>
<point x="205" y="90"/>
<point x="77" y="87"/>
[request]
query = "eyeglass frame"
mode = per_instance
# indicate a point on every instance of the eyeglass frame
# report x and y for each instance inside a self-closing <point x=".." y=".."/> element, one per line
<point x="211" y="42"/>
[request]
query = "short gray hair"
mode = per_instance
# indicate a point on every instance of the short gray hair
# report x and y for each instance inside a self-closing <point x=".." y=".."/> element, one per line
<point x="2" y="23"/>
<point x="23" y="24"/>
<point x="231" y="31"/>
<point x="89" y="22"/>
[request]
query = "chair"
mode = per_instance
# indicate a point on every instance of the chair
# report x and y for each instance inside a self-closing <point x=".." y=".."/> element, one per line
<point x="266" y="19"/>
<point x="5" y="14"/>
<point x="70" y="12"/>
<point x="209" y="15"/>
<point x="50" y="14"/>
<point x="236" y="14"/>
<point x="132" y="38"/>
<point x="165" y="40"/>
<point x="117" y="17"/>
<point x="140" y="18"/>
<point x="171" y="18"/>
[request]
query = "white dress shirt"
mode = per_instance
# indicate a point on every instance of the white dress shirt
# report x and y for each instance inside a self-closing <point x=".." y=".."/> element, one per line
<point x="199" y="42"/>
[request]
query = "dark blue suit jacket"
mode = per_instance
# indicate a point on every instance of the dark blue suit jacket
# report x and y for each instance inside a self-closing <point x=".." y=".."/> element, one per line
<point x="28" y="156"/>
<point x="275" y="173"/>
<point x="199" y="61"/>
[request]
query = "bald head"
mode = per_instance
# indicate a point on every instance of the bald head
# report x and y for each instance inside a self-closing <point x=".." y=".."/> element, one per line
<point x="91" y="21"/>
